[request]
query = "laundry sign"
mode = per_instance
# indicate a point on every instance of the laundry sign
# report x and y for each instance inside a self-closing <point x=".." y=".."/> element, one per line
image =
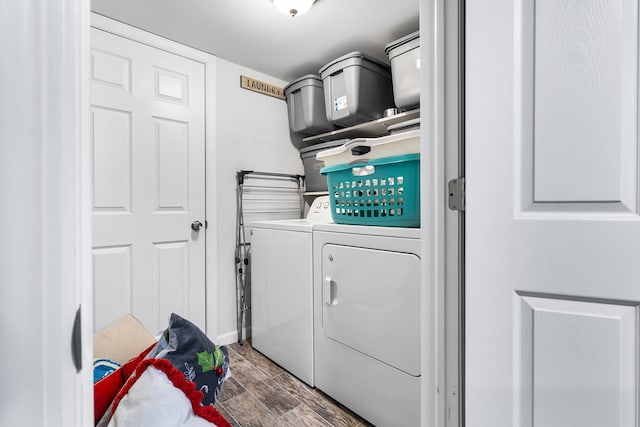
<point x="261" y="87"/>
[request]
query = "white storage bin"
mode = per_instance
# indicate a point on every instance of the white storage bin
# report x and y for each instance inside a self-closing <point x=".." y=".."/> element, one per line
<point x="305" y="105"/>
<point x="372" y="148"/>
<point x="357" y="89"/>
<point x="404" y="55"/>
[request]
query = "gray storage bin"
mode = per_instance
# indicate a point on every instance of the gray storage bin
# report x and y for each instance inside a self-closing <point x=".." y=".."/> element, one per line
<point x="404" y="55"/>
<point x="357" y="89"/>
<point x="314" y="181"/>
<point x="305" y="105"/>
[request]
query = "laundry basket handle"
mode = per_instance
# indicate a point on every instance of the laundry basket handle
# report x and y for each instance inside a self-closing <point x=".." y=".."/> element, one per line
<point x="363" y="171"/>
<point x="360" y="150"/>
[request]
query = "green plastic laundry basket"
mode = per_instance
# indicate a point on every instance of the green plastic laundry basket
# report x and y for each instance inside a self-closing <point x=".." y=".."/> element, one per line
<point x="381" y="192"/>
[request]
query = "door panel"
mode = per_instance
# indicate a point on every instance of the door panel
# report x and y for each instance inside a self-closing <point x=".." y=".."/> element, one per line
<point x="552" y="226"/>
<point x="584" y="97"/>
<point x="112" y="280"/>
<point x="576" y="95"/>
<point x="171" y="281"/>
<point x="112" y="182"/>
<point x="170" y="86"/>
<point x="148" y="168"/>
<point x="172" y="167"/>
<point x="576" y="353"/>
<point x="110" y="69"/>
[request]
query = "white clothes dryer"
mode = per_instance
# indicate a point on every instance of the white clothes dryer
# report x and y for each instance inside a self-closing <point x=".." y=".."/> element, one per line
<point x="367" y="320"/>
<point x="282" y="289"/>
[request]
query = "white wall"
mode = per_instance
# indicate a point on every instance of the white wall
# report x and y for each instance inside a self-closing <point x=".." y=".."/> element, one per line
<point x="252" y="133"/>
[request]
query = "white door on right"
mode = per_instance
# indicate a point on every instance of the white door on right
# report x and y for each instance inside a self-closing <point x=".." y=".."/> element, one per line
<point x="553" y="225"/>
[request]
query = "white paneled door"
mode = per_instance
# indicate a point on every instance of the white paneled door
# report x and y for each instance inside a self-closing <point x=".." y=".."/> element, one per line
<point x="553" y="225"/>
<point x="147" y="112"/>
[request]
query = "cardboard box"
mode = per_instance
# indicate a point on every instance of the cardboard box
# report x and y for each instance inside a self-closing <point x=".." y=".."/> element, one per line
<point x="121" y="340"/>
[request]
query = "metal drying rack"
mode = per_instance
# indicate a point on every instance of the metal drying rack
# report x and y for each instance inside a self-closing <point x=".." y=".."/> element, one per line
<point x="243" y="247"/>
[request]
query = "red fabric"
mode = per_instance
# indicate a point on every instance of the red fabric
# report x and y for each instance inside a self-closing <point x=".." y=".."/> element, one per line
<point x="209" y="413"/>
<point x="105" y="390"/>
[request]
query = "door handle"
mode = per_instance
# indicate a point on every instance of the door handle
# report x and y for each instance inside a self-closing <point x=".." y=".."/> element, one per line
<point x="76" y="340"/>
<point x="196" y="225"/>
<point x="329" y="291"/>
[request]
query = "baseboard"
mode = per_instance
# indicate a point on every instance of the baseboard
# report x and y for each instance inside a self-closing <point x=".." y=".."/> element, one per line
<point x="231" y="337"/>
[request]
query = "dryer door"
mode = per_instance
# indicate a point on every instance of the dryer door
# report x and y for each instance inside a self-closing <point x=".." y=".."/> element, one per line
<point x="371" y="303"/>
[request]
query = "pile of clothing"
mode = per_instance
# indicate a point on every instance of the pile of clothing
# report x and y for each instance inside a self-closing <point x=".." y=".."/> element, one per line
<point x="174" y="380"/>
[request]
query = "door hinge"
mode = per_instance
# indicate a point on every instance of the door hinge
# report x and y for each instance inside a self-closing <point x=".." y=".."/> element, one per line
<point x="457" y="194"/>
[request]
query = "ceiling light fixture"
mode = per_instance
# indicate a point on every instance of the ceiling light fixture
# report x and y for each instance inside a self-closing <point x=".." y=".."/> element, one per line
<point x="293" y="7"/>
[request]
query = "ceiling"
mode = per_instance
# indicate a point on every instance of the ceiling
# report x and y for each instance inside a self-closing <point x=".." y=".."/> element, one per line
<point x="254" y="34"/>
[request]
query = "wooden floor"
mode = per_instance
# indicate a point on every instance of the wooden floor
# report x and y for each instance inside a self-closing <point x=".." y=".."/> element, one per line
<point x="260" y="393"/>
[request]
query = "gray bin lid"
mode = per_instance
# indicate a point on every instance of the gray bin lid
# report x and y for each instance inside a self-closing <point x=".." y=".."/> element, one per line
<point x="306" y="80"/>
<point x="355" y="58"/>
<point x="406" y="40"/>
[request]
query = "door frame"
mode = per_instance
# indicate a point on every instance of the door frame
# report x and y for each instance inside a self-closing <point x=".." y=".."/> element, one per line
<point x="442" y="143"/>
<point x="46" y="223"/>
<point x="439" y="225"/>
<point x="209" y="61"/>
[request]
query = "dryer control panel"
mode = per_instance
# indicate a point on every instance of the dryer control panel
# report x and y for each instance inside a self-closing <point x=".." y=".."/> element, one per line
<point x="320" y="210"/>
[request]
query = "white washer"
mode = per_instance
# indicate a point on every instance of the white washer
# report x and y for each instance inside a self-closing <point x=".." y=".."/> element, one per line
<point x="282" y="289"/>
<point x="367" y="320"/>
